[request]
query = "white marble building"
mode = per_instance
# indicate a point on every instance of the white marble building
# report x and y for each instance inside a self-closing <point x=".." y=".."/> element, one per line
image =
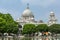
<point x="27" y="17"/>
<point x="52" y="19"/>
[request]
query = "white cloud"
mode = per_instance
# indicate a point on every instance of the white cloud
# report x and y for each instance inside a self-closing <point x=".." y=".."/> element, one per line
<point x="39" y="2"/>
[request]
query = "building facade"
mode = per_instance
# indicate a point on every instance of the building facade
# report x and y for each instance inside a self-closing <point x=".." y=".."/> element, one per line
<point x="27" y="17"/>
<point x="52" y="19"/>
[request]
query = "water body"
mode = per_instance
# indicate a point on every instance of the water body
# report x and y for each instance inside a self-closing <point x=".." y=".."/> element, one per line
<point x="30" y="38"/>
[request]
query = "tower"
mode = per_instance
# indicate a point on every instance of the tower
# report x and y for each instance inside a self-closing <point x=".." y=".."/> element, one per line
<point x="52" y="19"/>
<point x="27" y="14"/>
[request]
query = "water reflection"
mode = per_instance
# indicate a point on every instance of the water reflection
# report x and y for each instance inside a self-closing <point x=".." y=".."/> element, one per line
<point x="30" y="38"/>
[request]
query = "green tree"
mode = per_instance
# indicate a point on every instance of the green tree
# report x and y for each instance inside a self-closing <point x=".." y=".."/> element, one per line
<point x="42" y="28"/>
<point x="2" y="23"/>
<point x="7" y="24"/>
<point x="29" y="29"/>
<point x="11" y="25"/>
<point x="55" y="28"/>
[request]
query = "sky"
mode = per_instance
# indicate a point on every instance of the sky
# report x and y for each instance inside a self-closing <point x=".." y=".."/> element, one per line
<point x="40" y="8"/>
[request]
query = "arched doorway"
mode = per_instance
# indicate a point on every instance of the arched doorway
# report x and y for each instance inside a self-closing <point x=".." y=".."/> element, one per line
<point x="20" y="26"/>
<point x="20" y="29"/>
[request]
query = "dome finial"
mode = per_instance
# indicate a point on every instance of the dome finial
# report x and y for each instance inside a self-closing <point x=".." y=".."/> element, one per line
<point x="27" y="5"/>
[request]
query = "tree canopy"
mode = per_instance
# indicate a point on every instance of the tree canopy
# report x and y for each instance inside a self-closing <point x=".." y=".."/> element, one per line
<point x="42" y="28"/>
<point x="55" y="28"/>
<point x="29" y="29"/>
<point x="7" y="24"/>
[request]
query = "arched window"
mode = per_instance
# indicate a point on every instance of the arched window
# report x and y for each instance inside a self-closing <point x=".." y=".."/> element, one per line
<point x="19" y="26"/>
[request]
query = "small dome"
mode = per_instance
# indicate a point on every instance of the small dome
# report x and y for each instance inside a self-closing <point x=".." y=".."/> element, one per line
<point x="51" y="13"/>
<point x="40" y="21"/>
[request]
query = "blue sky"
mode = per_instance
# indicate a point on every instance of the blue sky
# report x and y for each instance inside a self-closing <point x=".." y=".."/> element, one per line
<point x="40" y="8"/>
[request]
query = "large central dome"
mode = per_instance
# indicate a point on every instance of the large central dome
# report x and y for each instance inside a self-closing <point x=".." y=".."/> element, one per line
<point x="27" y="12"/>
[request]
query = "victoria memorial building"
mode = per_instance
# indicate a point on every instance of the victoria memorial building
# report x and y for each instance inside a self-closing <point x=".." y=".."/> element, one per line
<point x="27" y="17"/>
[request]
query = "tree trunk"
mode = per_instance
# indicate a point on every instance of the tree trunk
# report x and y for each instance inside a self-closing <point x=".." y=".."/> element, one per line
<point x="8" y="35"/>
<point x="2" y="36"/>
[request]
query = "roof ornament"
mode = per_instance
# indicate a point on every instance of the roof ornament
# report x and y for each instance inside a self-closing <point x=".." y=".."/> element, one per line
<point x="27" y="5"/>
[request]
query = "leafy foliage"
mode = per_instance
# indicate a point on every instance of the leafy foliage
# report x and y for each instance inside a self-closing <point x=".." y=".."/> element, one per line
<point x="55" y="28"/>
<point x="42" y="28"/>
<point x="29" y="29"/>
<point x="7" y="24"/>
